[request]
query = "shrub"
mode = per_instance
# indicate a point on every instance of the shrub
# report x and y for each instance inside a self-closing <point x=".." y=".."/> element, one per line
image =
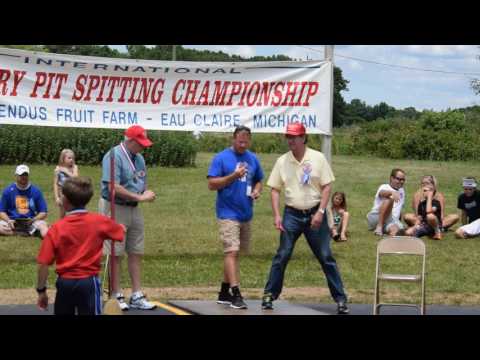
<point x="42" y="145"/>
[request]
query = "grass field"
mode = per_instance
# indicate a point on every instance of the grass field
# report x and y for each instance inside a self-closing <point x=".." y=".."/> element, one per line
<point x="183" y="249"/>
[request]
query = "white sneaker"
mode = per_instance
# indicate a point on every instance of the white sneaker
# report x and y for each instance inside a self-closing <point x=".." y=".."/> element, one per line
<point x="139" y="301"/>
<point x="121" y="302"/>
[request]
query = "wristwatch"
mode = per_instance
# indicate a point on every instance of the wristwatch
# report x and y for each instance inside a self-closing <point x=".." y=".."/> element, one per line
<point x="41" y="290"/>
<point x="322" y="210"/>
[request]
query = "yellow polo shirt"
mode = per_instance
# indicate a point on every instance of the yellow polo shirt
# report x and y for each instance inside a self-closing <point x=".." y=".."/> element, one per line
<point x="290" y="174"/>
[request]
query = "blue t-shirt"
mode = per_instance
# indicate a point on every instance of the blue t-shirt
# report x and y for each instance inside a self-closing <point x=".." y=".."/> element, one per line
<point x="18" y="203"/>
<point x="133" y="180"/>
<point x="232" y="200"/>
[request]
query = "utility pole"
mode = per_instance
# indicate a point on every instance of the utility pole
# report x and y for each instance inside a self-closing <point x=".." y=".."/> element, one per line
<point x="327" y="139"/>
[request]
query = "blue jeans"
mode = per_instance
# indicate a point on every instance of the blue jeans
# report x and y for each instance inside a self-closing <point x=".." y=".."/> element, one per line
<point x="295" y="224"/>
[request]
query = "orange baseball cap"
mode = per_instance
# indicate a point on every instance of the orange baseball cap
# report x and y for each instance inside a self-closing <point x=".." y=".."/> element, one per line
<point x="139" y="134"/>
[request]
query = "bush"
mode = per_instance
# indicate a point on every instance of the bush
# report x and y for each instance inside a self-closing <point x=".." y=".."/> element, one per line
<point x="42" y="145"/>
<point x="434" y="136"/>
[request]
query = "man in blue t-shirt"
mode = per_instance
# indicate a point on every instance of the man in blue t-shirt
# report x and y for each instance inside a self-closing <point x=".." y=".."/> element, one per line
<point x="23" y="209"/>
<point x="236" y="175"/>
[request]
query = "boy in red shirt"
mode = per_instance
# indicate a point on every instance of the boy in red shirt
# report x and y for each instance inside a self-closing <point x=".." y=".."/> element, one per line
<point x="75" y="244"/>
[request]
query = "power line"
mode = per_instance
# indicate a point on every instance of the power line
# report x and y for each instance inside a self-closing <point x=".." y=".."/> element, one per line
<point x="393" y="65"/>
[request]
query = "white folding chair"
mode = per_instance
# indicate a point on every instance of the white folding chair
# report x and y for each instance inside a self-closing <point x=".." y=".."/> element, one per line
<point x="399" y="245"/>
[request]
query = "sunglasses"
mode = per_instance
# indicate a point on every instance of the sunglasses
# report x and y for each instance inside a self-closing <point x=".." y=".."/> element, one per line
<point x="468" y="189"/>
<point x="399" y="179"/>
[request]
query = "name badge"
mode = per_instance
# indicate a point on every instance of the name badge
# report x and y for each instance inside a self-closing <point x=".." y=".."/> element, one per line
<point x="249" y="190"/>
<point x="307" y="169"/>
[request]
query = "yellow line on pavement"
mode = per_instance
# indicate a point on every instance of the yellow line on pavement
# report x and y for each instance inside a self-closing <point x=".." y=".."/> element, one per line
<point x="172" y="309"/>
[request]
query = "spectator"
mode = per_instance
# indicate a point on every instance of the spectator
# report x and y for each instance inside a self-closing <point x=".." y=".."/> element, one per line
<point x="23" y="209"/>
<point x="65" y="169"/>
<point x="387" y="206"/>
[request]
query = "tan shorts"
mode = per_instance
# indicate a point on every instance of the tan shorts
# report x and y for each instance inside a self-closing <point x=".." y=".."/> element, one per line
<point x="235" y="235"/>
<point x="132" y="218"/>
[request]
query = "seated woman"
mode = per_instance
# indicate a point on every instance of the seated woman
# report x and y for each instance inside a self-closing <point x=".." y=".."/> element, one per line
<point x="411" y="219"/>
<point x="428" y="219"/>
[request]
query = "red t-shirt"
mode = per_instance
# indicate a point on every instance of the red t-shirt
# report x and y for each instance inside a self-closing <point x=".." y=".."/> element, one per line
<point x="75" y="243"/>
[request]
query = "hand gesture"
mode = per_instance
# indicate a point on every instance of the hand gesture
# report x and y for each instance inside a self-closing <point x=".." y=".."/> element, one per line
<point x="241" y="170"/>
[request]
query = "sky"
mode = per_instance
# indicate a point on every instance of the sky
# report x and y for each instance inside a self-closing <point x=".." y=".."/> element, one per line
<point x="398" y="87"/>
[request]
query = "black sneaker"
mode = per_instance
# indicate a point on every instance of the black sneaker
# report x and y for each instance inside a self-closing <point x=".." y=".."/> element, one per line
<point x="237" y="302"/>
<point x="267" y="302"/>
<point x="237" y="299"/>
<point x="342" y="308"/>
<point x="224" y="298"/>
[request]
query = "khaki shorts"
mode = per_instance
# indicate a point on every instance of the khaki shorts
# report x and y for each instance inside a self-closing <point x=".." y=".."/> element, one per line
<point x="132" y="218"/>
<point x="372" y="220"/>
<point x="235" y="235"/>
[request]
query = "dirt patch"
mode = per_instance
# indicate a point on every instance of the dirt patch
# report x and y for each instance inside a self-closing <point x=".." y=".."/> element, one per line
<point x="300" y="294"/>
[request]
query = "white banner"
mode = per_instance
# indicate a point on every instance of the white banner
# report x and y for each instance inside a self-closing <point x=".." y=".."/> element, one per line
<point x="46" y="89"/>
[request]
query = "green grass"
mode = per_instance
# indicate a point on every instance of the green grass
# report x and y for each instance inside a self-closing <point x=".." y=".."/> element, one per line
<point x="183" y="248"/>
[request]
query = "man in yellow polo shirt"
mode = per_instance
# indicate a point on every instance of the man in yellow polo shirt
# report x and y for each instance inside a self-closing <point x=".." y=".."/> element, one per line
<point x="306" y="177"/>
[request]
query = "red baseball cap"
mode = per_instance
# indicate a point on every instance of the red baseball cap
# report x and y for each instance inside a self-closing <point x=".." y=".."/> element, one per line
<point x="139" y="134"/>
<point x="295" y="129"/>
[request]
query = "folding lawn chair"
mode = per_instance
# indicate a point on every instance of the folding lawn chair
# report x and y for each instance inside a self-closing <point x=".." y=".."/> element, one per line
<point x="399" y="245"/>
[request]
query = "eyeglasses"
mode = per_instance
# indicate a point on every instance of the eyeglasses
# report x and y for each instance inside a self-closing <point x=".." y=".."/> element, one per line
<point x="399" y="179"/>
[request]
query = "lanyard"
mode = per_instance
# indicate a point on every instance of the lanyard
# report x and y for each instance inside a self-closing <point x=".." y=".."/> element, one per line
<point x="129" y="159"/>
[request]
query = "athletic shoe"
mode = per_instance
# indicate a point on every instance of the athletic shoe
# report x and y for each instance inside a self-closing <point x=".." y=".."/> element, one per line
<point x="342" y="308"/>
<point x="237" y="299"/>
<point x="267" y="302"/>
<point x="139" y="301"/>
<point x="378" y="232"/>
<point x="224" y="298"/>
<point x="121" y="302"/>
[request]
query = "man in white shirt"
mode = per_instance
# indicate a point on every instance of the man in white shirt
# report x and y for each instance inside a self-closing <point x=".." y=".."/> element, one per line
<point x="387" y="206"/>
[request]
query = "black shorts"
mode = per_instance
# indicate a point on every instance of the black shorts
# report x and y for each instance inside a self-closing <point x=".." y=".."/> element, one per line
<point x="424" y="229"/>
<point x="78" y="296"/>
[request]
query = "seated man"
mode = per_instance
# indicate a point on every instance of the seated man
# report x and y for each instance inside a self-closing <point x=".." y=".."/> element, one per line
<point x="22" y="207"/>
<point x="387" y="206"/>
<point x="469" y="203"/>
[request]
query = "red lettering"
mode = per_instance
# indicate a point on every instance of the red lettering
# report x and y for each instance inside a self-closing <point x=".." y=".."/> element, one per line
<point x="112" y="83"/>
<point x="244" y="93"/>
<point x="277" y="92"/>
<point x="131" y="99"/>
<point x="4" y="76"/>
<point x="290" y="93"/>
<point x="17" y="77"/>
<point x="61" y="79"/>
<point x="41" y="79"/>
<point x="156" y="100"/>
<point x="266" y="91"/>
<point x="102" y="87"/>
<point x="192" y="86"/>
<point x="174" y="93"/>
<point x="236" y="88"/>
<point x="312" y="90"/>
<point x="92" y="85"/>
<point x="219" y="93"/>
<point x="204" y="94"/>
<point x="299" y="101"/>
<point x="126" y="82"/>
<point x="144" y="90"/>
<point x="79" y="88"/>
